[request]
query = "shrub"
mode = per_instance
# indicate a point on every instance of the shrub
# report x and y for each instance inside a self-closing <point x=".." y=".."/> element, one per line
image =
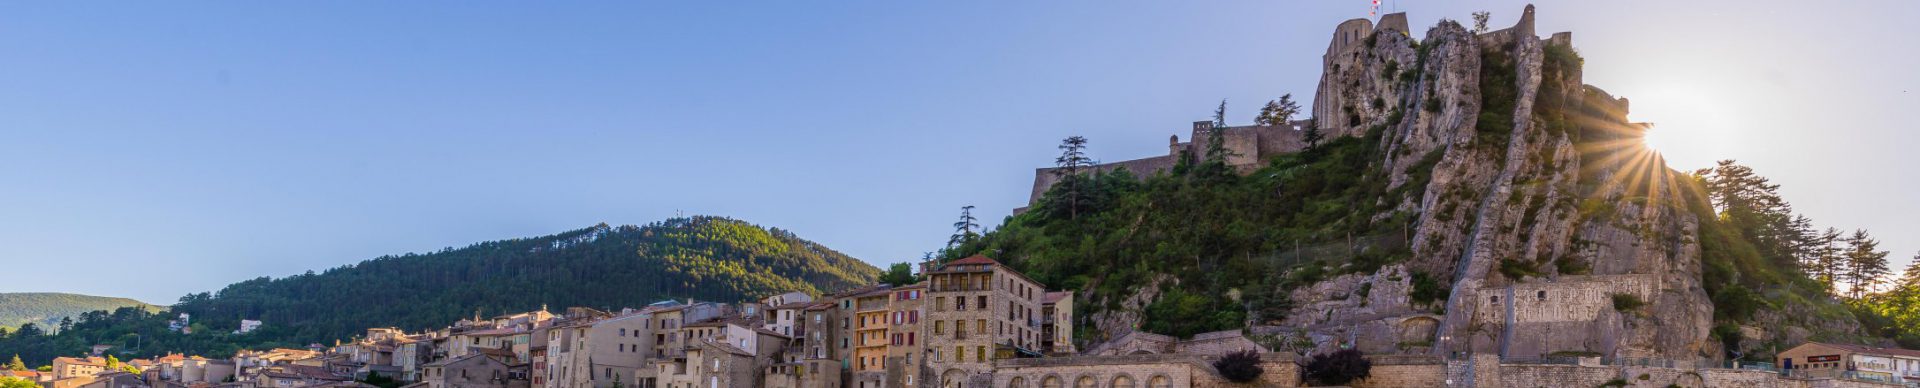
<point x="1518" y="269"/>
<point x="1240" y="367"/>
<point x="1627" y="302"/>
<point x="1426" y="289"/>
<point x="1339" y="367"/>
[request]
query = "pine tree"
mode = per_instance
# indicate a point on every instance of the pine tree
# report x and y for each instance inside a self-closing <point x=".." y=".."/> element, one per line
<point x="965" y="230"/>
<point x="1752" y="205"/>
<point x="1312" y="135"/>
<point x="1909" y="279"/>
<point x="1073" y="159"/>
<point x="1278" y="112"/>
<point x="1828" y="264"/>
<point x="1865" y="263"/>
<point x="1216" y="141"/>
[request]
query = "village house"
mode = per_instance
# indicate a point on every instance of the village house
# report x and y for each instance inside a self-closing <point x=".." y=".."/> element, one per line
<point x="470" y="371"/>
<point x="65" y="367"/>
<point x="1056" y="323"/>
<point x="1820" y="359"/>
<point x="905" y="361"/>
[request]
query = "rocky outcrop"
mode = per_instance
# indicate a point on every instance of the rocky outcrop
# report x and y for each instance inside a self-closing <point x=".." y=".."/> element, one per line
<point x="1517" y="174"/>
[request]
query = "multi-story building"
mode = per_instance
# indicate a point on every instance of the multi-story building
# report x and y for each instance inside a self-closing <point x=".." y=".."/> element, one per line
<point x="979" y="309"/>
<point x="819" y="331"/>
<point x="870" y="329"/>
<point x="619" y="346"/>
<point x="906" y="352"/>
<point x="1056" y="323"/>
<point x="65" y="367"/>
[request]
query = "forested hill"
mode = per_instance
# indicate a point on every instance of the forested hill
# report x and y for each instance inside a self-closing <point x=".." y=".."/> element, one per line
<point x="46" y="308"/>
<point x="708" y="258"/>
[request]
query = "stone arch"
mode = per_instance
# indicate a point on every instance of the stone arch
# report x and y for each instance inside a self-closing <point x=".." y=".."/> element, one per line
<point x="1085" y="381"/>
<point x="1122" y="381"/>
<point x="953" y="378"/>
<point x="1689" y="380"/>
<point x="1051" y="381"/>
<point x="1140" y="351"/>
<point x="1017" y="382"/>
<point x="1159" y="381"/>
<point x="1417" y="329"/>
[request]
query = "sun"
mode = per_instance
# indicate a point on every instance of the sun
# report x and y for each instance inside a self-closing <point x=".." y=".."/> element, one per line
<point x="1656" y="139"/>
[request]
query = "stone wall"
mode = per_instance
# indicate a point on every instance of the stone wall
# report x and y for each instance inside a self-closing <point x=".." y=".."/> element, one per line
<point x="1144" y="370"/>
<point x="1404" y="371"/>
<point x="1566" y="299"/>
<point x="1249" y="147"/>
<point x="1219" y="343"/>
<point x="1554" y="375"/>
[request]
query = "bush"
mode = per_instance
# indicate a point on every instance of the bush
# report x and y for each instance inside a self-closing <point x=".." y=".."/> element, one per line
<point x="1426" y="289"/>
<point x="1339" y="367"/>
<point x="1627" y="302"/>
<point x="1240" y="367"/>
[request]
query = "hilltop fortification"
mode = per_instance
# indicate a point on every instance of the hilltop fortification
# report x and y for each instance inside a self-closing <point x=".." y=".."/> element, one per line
<point x="1534" y="222"/>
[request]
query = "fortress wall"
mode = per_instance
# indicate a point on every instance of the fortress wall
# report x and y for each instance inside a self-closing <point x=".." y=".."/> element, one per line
<point x="1043" y="178"/>
<point x="1393" y="22"/>
<point x="1570" y="299"/>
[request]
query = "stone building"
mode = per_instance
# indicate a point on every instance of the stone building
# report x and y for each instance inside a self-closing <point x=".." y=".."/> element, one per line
<point x="65" y="367"/>
<point x="978" y="308"/>
<point x="469" y="371"/>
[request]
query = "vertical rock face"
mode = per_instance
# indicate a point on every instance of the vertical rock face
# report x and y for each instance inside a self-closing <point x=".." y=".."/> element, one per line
<point x="1533" y="199"/>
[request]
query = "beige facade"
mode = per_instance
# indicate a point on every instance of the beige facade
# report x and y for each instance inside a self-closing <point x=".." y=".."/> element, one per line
<point x="976" y="308"/>
<point x="67" y="367"/>
<point x="1056" y="326"/>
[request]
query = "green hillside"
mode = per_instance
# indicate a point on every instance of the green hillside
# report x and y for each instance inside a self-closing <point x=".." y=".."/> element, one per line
<point x="606" y="267"/>
<point x="46" y="308"/>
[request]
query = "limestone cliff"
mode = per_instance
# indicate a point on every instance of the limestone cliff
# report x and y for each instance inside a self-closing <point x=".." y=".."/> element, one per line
<point x="1533" y="201"/>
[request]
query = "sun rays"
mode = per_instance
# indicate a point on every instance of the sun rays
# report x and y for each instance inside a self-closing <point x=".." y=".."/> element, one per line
<point x="1616" y="157"/>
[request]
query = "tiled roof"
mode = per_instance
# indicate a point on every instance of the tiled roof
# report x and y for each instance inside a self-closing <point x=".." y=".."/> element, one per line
<point x="972" y="260"/>
<point x="1055" y="296"/>
<point x="1873" y="350"/>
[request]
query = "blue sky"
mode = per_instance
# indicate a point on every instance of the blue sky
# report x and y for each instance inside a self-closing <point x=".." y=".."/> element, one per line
<point x="152" y="149"/>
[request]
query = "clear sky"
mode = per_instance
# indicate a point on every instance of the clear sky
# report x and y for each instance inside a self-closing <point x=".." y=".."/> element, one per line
<point x="152" y="149"/>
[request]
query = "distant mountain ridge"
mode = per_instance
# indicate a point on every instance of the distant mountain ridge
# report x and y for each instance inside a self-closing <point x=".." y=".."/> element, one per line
<point x="46" y="308"/>
<point x="603" y="267"/>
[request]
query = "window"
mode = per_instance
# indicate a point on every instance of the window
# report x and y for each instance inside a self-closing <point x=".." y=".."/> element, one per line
<point x="1121" y="382"/>
<point x="623" y="332"/>
<point x="910" y="341"/>
<point x="1084" y="382"/>
<point x="981" y="302"/>
<point x="980" y="325"/>
<point x="940" y="303"/>
<point x="1050" y="382"/>
<point x="1543" y="294"/>
<point x="939" y="327"/>
<point x="980" y="354"/>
